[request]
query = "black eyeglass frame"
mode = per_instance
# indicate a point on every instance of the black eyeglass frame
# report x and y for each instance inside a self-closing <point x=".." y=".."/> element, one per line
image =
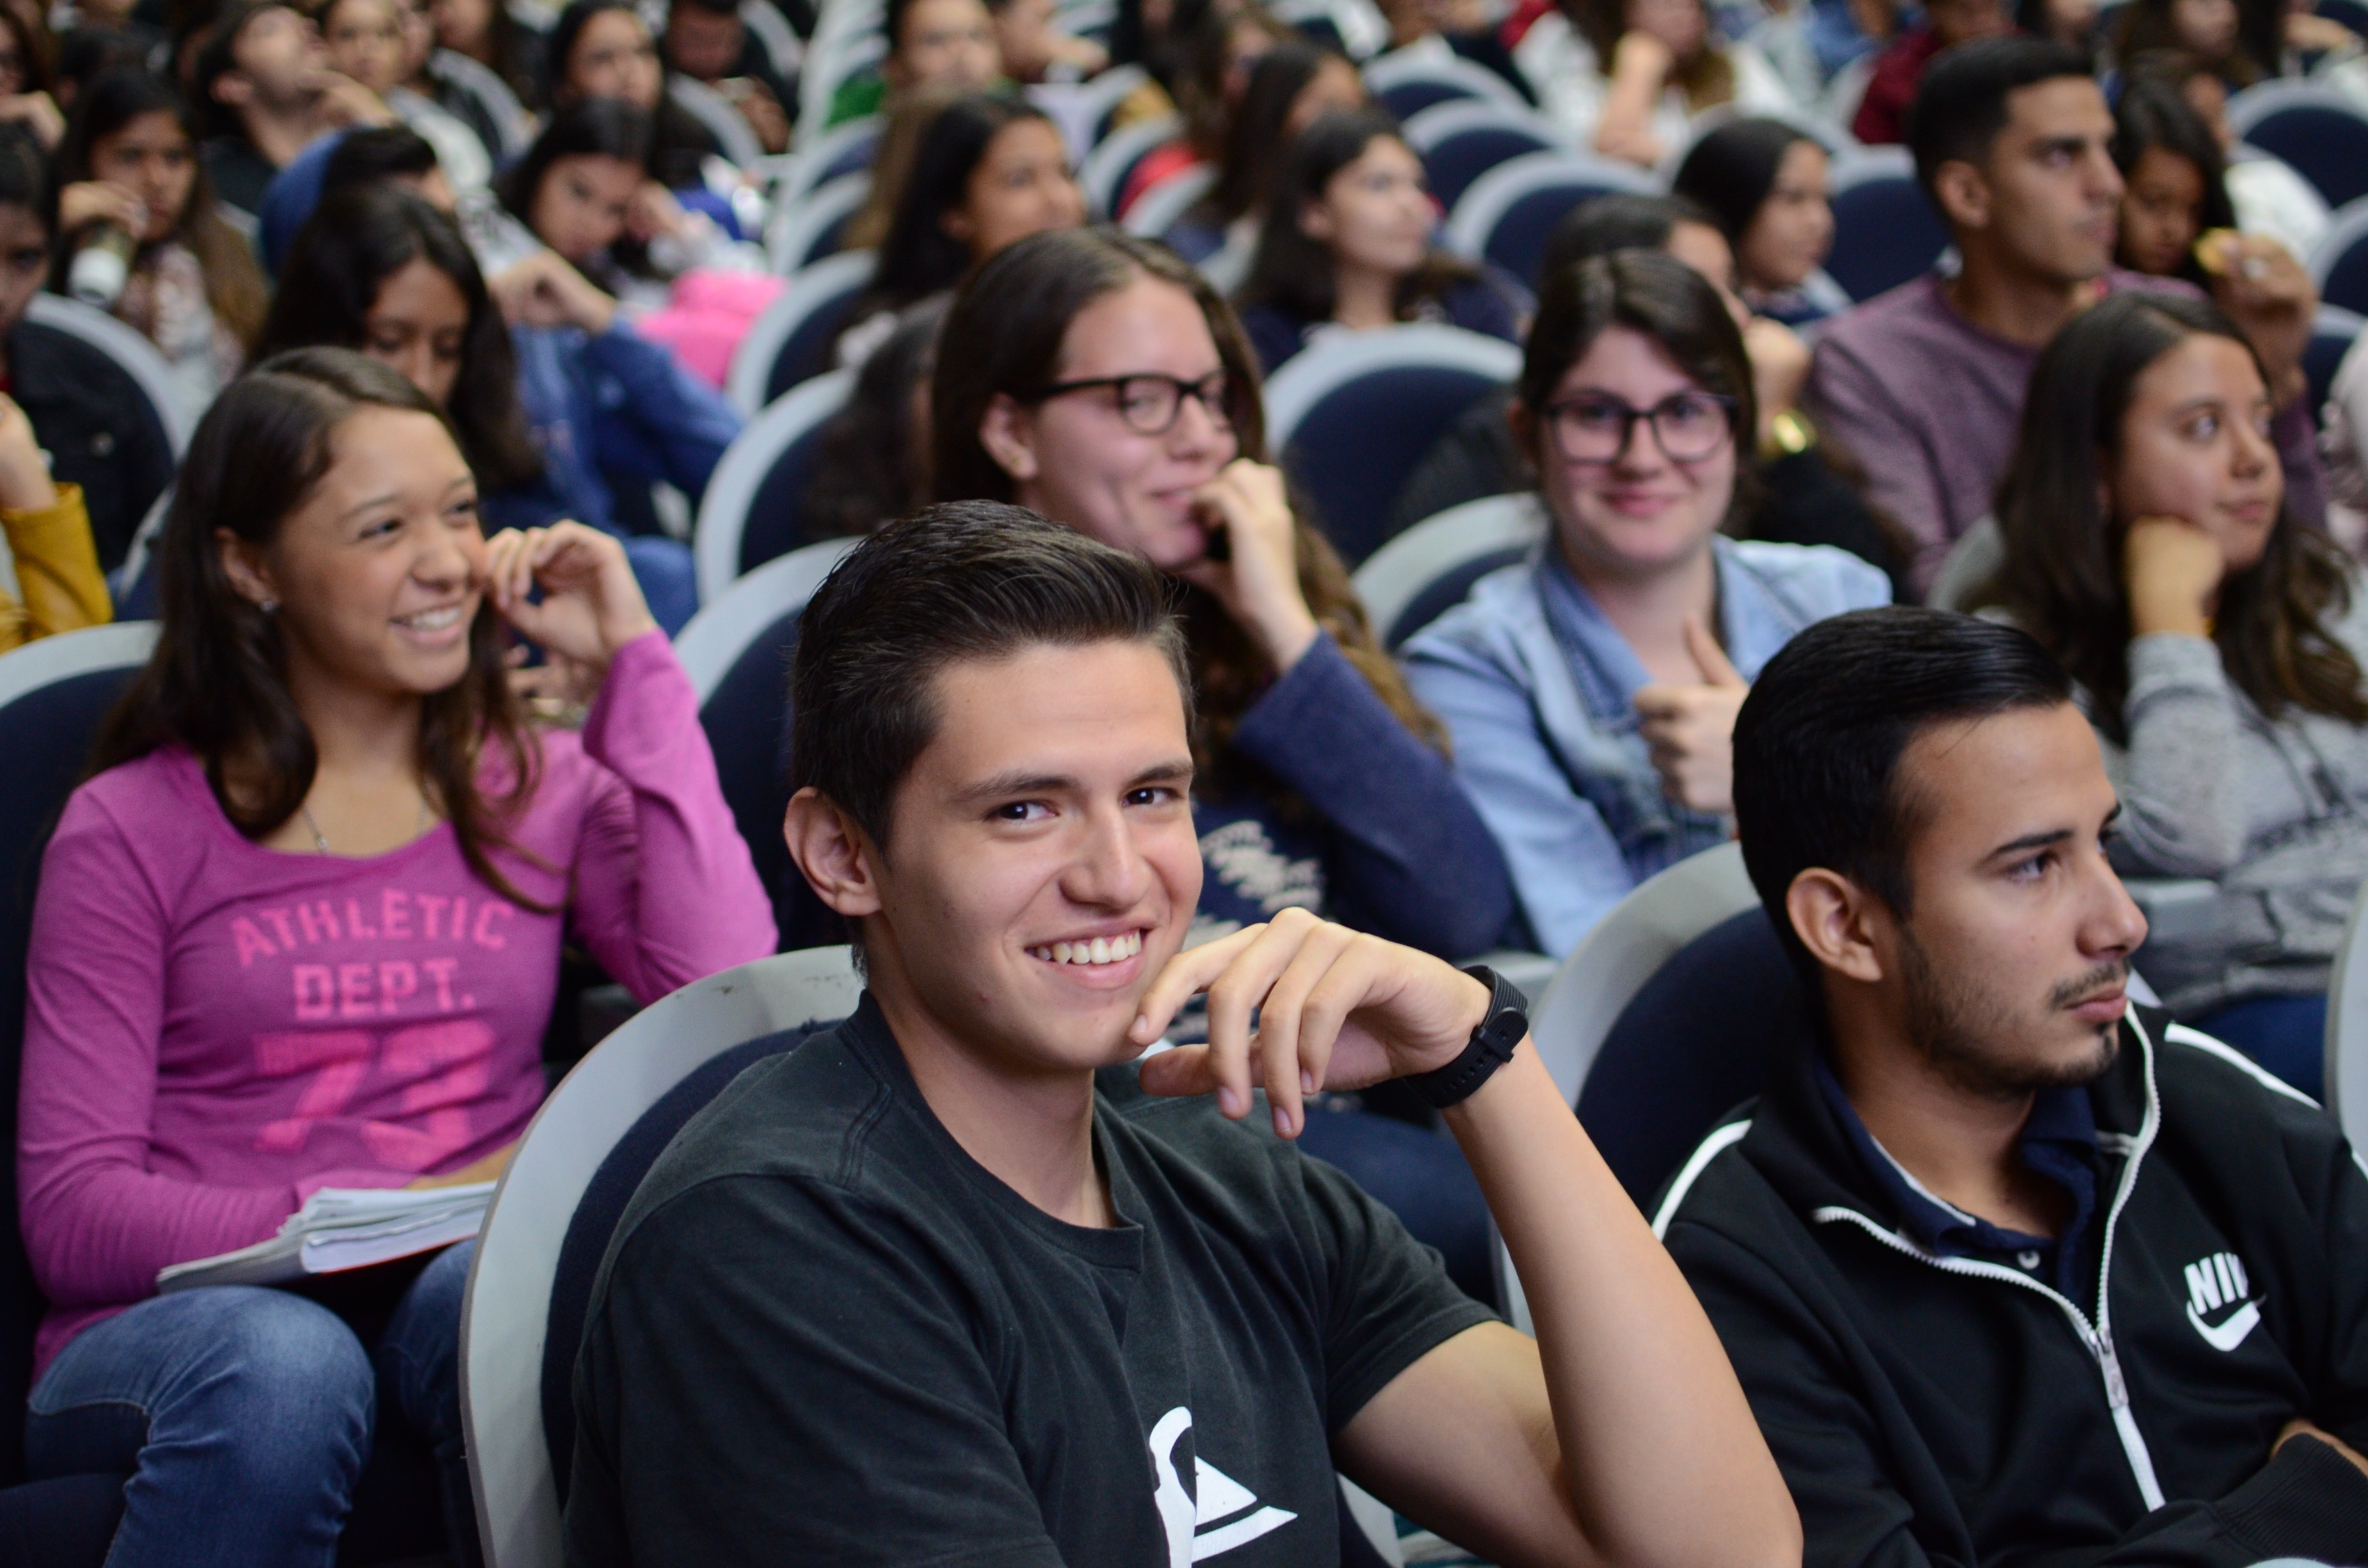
<point x="1217" y="404"/>
<point x="1630" y="417"/>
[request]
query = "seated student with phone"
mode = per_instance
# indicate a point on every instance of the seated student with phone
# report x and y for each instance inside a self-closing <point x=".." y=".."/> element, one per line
<point x="950" y="1282"/>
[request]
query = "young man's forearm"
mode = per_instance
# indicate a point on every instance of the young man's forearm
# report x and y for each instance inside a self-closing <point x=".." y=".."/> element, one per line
<point x="1666" y="1464"/>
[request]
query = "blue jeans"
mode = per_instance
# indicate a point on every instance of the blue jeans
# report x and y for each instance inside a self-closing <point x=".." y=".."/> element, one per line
<point x="243" y="1416"/>
<point x="2287" y="1035"/>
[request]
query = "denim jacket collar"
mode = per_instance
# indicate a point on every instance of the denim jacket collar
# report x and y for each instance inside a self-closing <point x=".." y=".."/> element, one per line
<point x="1751" y="625"/>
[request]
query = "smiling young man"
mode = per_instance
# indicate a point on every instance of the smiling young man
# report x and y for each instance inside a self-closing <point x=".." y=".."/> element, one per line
<point x="1923" y="385"/>
<point x="2012" y="1270"/>
<point x="951" y="1284"/>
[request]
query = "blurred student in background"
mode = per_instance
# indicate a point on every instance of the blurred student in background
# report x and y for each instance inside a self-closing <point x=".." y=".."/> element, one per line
<point x="602" y="48"/>
<point x="366" y="42"/>
<point x="931" y="44"/>
<point x="190" y="283"/>
<point x="2171" y="189"/>
<point x="323" y="764"/>
<point x="486" y="32"/>
<point x="1898" y="73"/>
<point x="263" y="81"/>
<point x="1628" y="76"/>
<point x="1590" y="692"/>
<point x="1292" y="85"/>
<point x="379" y="270"/>
<point x="1764" y="180"/>
<point x="989" y="169"/>
<point x="1346" y="245"/>
<point x="612" y="412"/>
<point x="707" y="42"/>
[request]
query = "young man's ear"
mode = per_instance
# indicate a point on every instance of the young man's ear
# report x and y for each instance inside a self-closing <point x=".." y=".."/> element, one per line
<point x="1964" y="193"/>
<point x="1838" y="922"/>
<point x="833" y="854"/>
<point x="233" y="88"/>
<point x="1005" y="434"/>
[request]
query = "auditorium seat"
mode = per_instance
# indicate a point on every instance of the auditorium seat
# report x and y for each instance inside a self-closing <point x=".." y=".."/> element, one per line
<point x="1105" y="171"/>
<point x="797" y="337"/>
<point x="1421" y="76"/>
<point x="2339" y="263"/>
<point x="2317" y="130"/>
<point x="1461" y="141"/>
<point x="1427" y="571"/>
<point x="1507" y="215"/>
<point x="748" y="514"/>
<point x="808" y="229"/>
<point x="1351" y="414"/>
<point x="1884" y="229"/>
<point x="737" y="650"/>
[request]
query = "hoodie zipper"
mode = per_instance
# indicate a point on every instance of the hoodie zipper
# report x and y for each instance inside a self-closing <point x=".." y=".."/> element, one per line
<point x="2097" y="1337"/>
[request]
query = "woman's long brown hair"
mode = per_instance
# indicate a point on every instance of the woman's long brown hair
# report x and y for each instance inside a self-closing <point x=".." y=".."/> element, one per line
<point x="217" y="683"/>
<point x="2062" y="580"/>
<point x="1011" y="319"/>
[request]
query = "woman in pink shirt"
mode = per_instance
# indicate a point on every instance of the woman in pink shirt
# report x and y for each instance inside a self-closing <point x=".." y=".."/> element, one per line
<point x="303" y="930"/>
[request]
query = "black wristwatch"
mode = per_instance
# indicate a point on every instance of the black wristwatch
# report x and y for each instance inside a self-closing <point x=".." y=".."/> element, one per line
<point x="1500" y="1029"/>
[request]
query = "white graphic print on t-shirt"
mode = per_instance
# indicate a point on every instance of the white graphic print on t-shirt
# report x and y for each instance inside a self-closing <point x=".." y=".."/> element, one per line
<point x="1214" y="1496"/>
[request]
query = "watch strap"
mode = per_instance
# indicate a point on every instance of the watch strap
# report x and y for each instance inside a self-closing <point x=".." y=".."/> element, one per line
<point x="1499" y="1030"/>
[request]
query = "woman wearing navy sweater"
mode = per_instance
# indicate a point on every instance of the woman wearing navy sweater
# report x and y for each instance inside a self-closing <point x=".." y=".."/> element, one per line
<point x="1103" y="383"/>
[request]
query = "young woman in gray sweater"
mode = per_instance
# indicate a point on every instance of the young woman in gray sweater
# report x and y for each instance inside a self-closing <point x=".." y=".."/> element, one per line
<point x="2219" y="645"/>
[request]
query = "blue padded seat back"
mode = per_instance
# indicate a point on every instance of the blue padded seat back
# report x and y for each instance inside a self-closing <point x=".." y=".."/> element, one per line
<point x="1518" y="242"/>
<point x="853" y="158"/>
<point x="807" y="352"/>
<point x="1444" y="591"/>
<point x="1355" y="448"/>
<point x="1463" y="158"/>
<point x="2321" y="357"/>
<point x="772" y="527"/>
<point x="2326" y="146"/>
<point x="1693" y="1044"/>
<point x="46" y="736"/>
<point x="1416" y="94"/>
<point x="2347" y="280"/>
<point x="603" y="1204"/>
<point x="746" y="721"/>
<point x="1885" y="233"/>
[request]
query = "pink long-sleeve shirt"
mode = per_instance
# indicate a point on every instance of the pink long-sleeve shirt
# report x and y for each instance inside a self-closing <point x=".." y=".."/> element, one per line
<point x="215" y="1029"/>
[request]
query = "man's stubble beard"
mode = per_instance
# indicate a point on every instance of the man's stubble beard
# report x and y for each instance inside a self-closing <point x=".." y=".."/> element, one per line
<point x="1956" y="1029"/>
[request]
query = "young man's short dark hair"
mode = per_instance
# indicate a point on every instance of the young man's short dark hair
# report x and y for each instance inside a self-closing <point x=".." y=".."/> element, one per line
<point x="963" y="580"/>
<point x="1817" y="743"/>
<point x="373" y="153"/>
<point x="1960" y="106"/>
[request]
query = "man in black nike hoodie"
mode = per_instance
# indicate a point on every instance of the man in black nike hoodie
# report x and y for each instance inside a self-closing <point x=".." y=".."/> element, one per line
<point x="2012" y="1270"/>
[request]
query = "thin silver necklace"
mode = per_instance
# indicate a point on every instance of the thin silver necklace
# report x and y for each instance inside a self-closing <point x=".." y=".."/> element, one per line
<point x="321" y="840"/>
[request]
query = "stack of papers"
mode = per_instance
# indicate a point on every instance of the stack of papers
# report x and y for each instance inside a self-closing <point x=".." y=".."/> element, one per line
<point x="341" y="1228"/>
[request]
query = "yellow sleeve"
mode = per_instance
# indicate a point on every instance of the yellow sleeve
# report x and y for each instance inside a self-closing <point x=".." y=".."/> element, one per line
<point x="57" y="571"/>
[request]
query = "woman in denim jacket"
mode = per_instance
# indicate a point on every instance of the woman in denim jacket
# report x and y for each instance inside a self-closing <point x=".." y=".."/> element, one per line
<point x="1590" y="692"/>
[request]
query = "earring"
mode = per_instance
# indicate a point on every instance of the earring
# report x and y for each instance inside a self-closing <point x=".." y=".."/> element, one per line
<point x="267" y="606"/>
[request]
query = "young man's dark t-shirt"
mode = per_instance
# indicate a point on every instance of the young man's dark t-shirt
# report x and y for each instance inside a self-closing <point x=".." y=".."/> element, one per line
<point x="825" y="1334"/>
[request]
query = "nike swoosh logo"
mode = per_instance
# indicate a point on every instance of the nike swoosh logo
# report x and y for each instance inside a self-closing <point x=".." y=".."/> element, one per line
<point x="2229" y="1335"/>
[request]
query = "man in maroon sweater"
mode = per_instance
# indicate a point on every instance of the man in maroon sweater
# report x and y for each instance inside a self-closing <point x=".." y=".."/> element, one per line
<point x="1924" y="385"/>
<point x="1899" y="70"/>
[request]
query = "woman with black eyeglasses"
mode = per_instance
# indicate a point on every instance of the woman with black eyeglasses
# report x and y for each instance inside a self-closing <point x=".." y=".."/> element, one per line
<point x="1591" y="690"/>
<point x="1099" y="381"/>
